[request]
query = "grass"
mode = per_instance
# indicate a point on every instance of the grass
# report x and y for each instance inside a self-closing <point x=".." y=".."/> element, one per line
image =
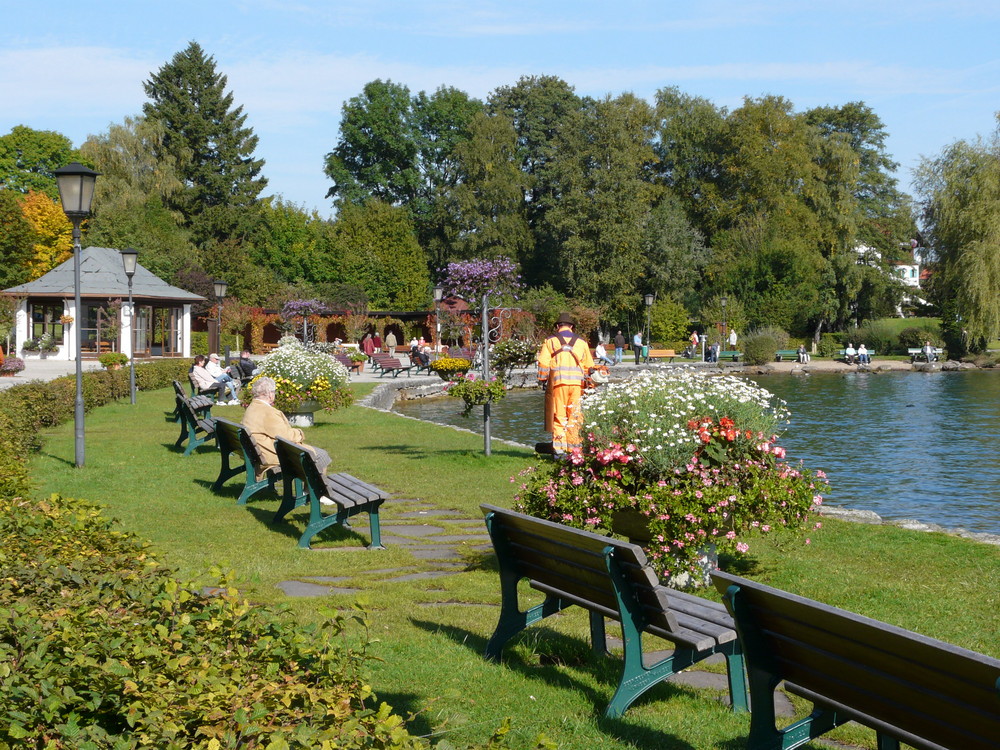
<point x="430" y="633"/>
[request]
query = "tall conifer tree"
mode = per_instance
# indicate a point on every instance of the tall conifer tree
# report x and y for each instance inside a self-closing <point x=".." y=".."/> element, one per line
<point x="211" y="145"/>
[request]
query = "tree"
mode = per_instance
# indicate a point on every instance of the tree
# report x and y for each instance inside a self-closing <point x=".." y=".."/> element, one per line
<point x="488" y="203"/>
<point x="28" y="158"/>
<point x="600" y="203"/>
<point x="401" y="149"/>
<point x="674" y="251"/>
<point x="960" y="190"/>
<point x="53" y="233"/>
<point x="17" y="238"/>
<point x="209" y="143"/>
<point x="132" y="197"/>
<point x="379" y="252"/>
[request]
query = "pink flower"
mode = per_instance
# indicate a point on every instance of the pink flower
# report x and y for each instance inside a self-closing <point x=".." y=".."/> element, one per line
<point x="742" y="547"/>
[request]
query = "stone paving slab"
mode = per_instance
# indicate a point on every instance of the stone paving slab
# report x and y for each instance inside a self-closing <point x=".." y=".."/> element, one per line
<point x="301" y="589"/>
<point x="411" y="529"/>
<point x="426" y="575"/>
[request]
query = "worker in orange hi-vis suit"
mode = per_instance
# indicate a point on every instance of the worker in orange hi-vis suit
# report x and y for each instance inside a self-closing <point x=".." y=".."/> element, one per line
<point x="564" y="362"/>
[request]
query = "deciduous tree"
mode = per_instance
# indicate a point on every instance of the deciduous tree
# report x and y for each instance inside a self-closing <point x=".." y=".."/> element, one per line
<point x="53" y="233"/>
<point x="28" y="158"/>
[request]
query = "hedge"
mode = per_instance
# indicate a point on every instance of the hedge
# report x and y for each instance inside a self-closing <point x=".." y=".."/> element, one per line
<point x="102" y="646"/>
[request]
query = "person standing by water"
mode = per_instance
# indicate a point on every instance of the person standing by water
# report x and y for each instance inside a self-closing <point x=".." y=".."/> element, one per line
<point x="619" y="347"/>
<point x="564" y="362"/>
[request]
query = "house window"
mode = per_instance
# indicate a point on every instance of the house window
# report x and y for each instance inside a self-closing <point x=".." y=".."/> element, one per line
<point x="45" y="319"/>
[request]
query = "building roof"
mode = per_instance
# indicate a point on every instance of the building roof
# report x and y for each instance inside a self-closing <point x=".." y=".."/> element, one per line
<point x="102" y="275"/>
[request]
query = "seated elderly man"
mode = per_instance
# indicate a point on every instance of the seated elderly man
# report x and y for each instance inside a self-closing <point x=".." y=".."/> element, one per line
<point x="223" y="376"/>
<point x="265" y="423"/>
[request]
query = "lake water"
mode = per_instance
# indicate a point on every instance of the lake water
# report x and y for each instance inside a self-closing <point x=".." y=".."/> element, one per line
<point x="905" y="445"/>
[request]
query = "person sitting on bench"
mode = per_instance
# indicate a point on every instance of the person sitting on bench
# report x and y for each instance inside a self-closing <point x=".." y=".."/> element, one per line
<point x="265" y="424"/>
<point x="223" y="376"/>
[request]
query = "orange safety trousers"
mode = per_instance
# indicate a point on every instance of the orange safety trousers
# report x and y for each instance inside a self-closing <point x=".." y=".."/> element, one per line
<point x="563" y="417"/>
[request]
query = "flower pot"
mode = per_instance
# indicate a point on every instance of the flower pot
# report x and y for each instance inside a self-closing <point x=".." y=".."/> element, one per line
<point x="304" y="414"/>
<point x="632" y="524"/>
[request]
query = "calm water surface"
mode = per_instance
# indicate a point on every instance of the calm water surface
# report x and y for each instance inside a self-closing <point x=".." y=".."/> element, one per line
<point x="905" y="445"/>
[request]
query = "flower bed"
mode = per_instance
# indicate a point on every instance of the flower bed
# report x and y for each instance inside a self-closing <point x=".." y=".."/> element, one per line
<point x="694" y="457"/>
<point x="301" y="376"/>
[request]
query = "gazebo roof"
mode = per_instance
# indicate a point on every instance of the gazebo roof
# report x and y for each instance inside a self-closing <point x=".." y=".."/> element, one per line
<point x="102" y="275"/>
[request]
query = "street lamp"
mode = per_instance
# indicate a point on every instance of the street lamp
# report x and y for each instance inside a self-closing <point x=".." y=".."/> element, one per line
<point x="724" y="301"/>
<point x="130" y="258"/>
<point x="438" y="296"/>
<point x="650" y="299"/>
<point x="220" y="294"/>
<point x="76" y="193"/>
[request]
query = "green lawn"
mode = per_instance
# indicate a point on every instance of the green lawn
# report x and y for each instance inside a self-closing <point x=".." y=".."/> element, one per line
<point x="430" y="633"/>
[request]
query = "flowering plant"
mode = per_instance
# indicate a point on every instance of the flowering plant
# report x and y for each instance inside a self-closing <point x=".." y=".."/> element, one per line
<point x="450" y="367"/>
<point x="12" y="364"/>
<point x="65" y="319"/>
<point x="302" y="375"/>
<point x="475" y="391"/>
<point x="478" y="278"/>
<point x="678" y="463"/>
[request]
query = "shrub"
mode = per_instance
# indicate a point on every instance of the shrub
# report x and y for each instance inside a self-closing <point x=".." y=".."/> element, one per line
<point x="759" y="349"/>
<point x="111" y="359"/>
<point x="914" y="337"/>
<point x="475" y="391"/>
<point x="878" y="337"/>
<point x="508" y="354"/>
<point x="113" y="650"/>
<point x="781" y="338"/>
<point x="830" y="344"/>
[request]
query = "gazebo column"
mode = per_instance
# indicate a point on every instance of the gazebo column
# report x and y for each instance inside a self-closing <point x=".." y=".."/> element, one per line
<point x="22" y="326"/>
<point x="186" y="331"/>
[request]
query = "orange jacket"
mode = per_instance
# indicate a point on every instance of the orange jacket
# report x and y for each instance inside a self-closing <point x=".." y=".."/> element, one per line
<point x="564" y="359"/>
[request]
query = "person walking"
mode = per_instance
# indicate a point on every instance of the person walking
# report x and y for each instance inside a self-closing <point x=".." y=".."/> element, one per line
<point x="390" y="343"/>
<point x="732" y="338"/>
<point x="637" y="345"/>
<point x="619" y="347"/>
<point x="564" y="362"/>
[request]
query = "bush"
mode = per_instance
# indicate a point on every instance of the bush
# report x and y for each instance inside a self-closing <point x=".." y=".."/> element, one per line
<point x="759" y="349"/>
<point x="878" y="337"/>
<point x="914" y="337"/>
<point x="508" y="354"/>
<point x="830" y="344"/>
<point x="109" y="360"/>
<point x="113" y="650"/>
<point x="781" y="338"/>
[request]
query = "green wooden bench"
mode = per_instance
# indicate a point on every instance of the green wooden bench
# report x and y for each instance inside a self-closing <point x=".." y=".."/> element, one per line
<point x="731" y="354"/>
<point x="609" y="578"/>
<point x="918" y="353"/>
<point x="200" y="404"/>
<point x="345" y="495"/>
<point x="783" y="354"/>
<point x="234" y="440"/>
<point x="197" y="426"/>
<point x="214" y="392"/>
<point x="349" y="363"/>
<point x="907" y="687"/>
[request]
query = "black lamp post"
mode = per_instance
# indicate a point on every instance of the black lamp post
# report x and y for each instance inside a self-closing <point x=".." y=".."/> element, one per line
<point x="724" y="327"/>
<point x="220" y="294"/>
<point x="76" y="193"/>
<point x="438" y="296"/>
<point x="130" y="258"/>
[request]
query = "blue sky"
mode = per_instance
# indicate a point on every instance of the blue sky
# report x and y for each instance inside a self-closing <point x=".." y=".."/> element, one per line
<point x="929" y="68"/>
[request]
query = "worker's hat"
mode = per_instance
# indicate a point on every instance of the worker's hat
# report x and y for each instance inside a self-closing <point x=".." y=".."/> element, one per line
<point x="565" y="319"/>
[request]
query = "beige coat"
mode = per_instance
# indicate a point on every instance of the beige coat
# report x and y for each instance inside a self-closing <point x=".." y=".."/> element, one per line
<point x="265" y="423"/>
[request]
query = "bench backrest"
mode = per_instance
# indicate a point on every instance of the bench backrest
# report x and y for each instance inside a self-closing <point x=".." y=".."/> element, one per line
<point x="235" y="438"/>
<point x="574" y="565"/>
<point x="178" y="389"/>
<point x="925" y="692"/>
<point x="297" y="462"/>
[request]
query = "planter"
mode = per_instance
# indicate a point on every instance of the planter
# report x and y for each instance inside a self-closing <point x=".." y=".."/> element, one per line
<point x="304" y="416"/>
<point x="4" y="374"/>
